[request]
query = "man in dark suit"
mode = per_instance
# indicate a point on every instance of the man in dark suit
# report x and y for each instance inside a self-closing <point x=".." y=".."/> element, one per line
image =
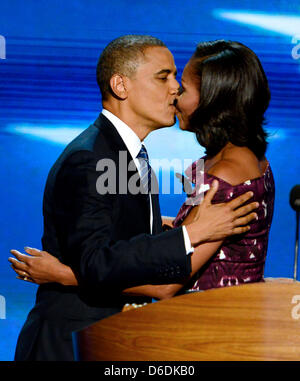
<point x="114" y="240"/>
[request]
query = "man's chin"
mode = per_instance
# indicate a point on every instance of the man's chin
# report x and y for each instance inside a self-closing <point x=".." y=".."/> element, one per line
<point x="167" y="123"/>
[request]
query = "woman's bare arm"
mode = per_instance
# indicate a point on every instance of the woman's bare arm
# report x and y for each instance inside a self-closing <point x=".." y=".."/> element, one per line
<point x="232" y="172"/>
<point x="233" y="217"/>
<point x="200" y="256"/>
<point x="41" y="267"/>
<point x="44" y="262"/>
<point x="167" y="221"/>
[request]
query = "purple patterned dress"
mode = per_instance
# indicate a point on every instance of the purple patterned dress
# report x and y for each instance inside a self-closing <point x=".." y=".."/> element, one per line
<point x="241" y="258"/>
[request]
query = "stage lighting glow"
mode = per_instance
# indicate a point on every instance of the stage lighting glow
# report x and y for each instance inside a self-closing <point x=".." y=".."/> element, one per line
<point x="156" y="143"/>
<point x="59" y="135"/>
<point x="288" y="25"/>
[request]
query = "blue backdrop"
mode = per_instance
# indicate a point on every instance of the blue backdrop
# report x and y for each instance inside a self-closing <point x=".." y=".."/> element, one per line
<point x="48" y="94"/>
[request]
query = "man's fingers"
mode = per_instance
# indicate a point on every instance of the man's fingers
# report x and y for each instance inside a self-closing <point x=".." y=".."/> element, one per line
<point x="238" y="201"/>
<point x="241" y="230"/>
<point x="242" y="211"/>
<point x="33" y="251"/>
<point x="241" y="224"/>
<point x="242" y="221"/>
<point x="211" y="192"/>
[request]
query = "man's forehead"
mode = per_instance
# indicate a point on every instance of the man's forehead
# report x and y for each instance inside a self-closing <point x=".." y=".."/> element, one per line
<point x="160" y="58"/>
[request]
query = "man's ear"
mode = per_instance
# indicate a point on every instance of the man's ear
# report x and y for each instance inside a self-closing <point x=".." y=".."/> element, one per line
<point x="118" y="86"/>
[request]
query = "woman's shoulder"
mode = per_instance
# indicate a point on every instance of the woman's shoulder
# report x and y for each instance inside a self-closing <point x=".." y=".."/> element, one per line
<point x="226" y="170"/>
<point x="236" y="167"/>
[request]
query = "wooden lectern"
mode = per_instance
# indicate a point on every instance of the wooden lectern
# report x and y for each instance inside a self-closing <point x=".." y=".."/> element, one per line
<point x="259" y="321"/>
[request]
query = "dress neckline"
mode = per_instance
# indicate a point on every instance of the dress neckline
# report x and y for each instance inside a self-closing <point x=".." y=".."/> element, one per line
<point x="243" y="182"/>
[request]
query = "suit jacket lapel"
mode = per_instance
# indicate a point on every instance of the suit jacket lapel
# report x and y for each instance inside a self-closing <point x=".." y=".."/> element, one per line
<point x="117" y="145"/>
<point x="157" y="223"/>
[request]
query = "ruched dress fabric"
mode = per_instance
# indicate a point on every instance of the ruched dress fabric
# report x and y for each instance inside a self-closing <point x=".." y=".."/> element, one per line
<point x="241" y="258"/>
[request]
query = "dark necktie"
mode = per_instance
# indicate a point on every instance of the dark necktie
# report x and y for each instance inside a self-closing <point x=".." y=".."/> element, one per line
<point x="145" y="169"/>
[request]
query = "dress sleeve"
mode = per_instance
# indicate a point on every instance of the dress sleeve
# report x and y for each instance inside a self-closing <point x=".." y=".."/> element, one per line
<point x="225" y="193"/>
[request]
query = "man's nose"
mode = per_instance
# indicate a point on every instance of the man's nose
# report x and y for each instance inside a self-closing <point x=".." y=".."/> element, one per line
<point x="174" y="87"/>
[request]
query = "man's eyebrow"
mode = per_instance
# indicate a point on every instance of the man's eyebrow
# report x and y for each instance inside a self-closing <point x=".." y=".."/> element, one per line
<point x="166" y="71"/>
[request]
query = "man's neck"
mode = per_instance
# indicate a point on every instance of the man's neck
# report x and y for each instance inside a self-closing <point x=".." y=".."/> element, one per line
<point x="140" y="130"/>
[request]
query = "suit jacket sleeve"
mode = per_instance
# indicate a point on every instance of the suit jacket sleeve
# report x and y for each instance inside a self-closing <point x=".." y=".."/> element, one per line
<point x="84" y="221"/>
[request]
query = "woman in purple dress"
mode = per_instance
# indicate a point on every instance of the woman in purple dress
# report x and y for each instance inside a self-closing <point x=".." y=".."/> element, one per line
<point x="240" y="259"/>
<point x="223" y="98"/>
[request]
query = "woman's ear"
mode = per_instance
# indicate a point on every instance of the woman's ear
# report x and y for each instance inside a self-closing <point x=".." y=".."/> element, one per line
<point x="118" y="86"/>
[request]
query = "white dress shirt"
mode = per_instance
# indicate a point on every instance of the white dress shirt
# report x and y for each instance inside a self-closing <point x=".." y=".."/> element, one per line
<point x="134" y="145"/>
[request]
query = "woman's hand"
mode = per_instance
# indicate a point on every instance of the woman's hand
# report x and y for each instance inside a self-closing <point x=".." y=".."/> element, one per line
<point x="41" y="267"/>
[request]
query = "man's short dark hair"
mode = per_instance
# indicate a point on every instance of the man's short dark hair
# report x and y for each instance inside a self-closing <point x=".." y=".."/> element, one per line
<point x="234" y="95"/>
<point x="122" y="56"/>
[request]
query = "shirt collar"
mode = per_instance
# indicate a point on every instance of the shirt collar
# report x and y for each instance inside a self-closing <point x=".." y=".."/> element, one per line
<point x="130" y="138"/>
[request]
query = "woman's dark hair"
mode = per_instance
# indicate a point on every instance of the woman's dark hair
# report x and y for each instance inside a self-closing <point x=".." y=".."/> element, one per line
<point x="234" y="95"/>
